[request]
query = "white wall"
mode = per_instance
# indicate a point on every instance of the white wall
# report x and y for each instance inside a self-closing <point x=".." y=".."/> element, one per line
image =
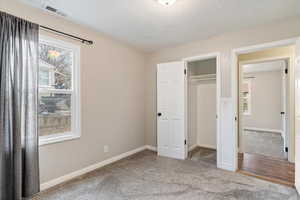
<point x="266" y="101"/>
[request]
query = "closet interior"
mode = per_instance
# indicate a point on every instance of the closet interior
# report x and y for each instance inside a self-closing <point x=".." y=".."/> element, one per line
<point x="202" y="110"/>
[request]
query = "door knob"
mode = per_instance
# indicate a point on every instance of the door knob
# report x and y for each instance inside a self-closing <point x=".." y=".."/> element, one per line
<point x="159" y="114"/>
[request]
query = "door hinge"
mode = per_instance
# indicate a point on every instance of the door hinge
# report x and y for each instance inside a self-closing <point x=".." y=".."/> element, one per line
<point x="184" y="71"/>
<point x="235" y="118"/>
<point x="184" y="142"/>
<point x="286" y="70"/>
<point x="286" y="149"/>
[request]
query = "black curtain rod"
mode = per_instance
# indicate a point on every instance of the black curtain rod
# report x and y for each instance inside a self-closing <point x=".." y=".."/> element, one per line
<point x="84" y="41"/>
<point x="89" y="42"/>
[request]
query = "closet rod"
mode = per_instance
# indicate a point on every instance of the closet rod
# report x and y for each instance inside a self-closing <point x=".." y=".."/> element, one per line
<point x="203" y="79"/>
<point x="249" y="77"/>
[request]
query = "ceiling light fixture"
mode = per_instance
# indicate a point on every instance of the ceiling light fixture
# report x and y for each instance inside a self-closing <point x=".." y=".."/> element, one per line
<point x="166" y="2"/>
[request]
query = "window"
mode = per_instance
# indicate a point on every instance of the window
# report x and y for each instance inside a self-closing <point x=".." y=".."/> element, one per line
<point x="46" y="74"/>
<point x="58" y="110"/>
<point x="246" y="97"/>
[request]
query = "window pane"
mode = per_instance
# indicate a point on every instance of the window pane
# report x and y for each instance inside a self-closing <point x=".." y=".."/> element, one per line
<point x="58" y="63"/>
<point x="44" y="78"/>
<point x="54" y="113"/>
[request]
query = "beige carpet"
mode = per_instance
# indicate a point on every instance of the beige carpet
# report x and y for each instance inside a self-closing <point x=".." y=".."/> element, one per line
<point x="145" y="176"/>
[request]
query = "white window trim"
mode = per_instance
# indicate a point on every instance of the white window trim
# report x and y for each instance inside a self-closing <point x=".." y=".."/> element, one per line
<point x="249" y="97"/>
<point x="75" y="97"/>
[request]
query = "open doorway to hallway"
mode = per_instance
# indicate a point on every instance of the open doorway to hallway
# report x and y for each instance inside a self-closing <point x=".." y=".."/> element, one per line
<point x="266" y="114"/>
<point x="263" y="108"/>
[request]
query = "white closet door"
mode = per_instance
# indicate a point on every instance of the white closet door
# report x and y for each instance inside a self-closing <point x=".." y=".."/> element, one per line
<point x="170" y="110"/>
<point x="297" y="143"/>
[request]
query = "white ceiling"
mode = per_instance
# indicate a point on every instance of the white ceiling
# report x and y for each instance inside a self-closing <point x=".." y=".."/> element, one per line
<point x="264" y="66"/>
<point x="149" y="26"/>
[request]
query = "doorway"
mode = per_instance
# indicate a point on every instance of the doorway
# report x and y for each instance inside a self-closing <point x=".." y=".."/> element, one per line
<point x="184" y="90"/>
<point x="266" y="113"/>
<point x="203" y="86"/>
<point x="263" y="108"/>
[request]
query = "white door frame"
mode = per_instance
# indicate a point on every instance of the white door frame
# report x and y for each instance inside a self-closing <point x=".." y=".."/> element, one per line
<point x="285" y="100"/>
<point x="285" y="97"/>
<point x="234" y="80"/>
<point x="215" y="55"/>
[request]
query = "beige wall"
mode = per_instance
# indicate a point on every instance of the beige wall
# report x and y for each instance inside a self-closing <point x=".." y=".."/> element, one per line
<point x="201" y="67"/>
<point x="285" y="51"/>
<point x="202" y="113"/>
<point x="206" y="114"/>
<point x="266" y="101"/>
<point x="112" y="98"/>
<point x="224" y="44"/>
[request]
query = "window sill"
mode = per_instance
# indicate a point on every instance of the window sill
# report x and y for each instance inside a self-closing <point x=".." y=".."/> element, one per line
<point x="45" y="140"/>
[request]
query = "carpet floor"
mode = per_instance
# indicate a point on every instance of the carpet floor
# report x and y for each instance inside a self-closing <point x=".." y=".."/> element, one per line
<point x="144" y="176"/>
<point x="264" y="143"/>
<point x="204" y="154"/>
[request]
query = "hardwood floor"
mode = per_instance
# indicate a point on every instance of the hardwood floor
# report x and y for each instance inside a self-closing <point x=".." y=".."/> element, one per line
<point x="267" y="168"/>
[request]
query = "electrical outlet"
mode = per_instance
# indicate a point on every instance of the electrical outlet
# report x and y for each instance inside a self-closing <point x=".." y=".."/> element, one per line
<point x="105" y="149"/>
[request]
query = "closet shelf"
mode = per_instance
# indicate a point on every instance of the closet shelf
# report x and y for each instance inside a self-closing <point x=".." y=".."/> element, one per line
<point x="203" y="77"/>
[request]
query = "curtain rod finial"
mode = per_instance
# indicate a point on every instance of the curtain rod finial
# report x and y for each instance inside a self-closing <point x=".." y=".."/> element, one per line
<point x="89" y="42"/>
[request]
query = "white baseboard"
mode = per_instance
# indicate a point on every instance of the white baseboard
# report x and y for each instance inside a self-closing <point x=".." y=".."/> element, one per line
<point x="193" y="147"/>
<point x="263" y="129"/>
<point x="90" y="168"/>
<point x="227" y="166"/>
<point x="206" y="146"/>
<point x="297" y="186"/>
<point x="151" y="148"/>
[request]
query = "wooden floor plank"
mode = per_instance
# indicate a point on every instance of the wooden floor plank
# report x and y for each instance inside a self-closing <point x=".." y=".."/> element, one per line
<point x="267" y="168"/>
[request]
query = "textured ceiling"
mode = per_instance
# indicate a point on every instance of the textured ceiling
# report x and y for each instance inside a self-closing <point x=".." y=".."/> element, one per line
<point x="148" y="25"/>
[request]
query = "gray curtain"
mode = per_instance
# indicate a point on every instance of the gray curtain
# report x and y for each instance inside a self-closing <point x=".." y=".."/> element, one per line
<point x="19" y="169"/>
